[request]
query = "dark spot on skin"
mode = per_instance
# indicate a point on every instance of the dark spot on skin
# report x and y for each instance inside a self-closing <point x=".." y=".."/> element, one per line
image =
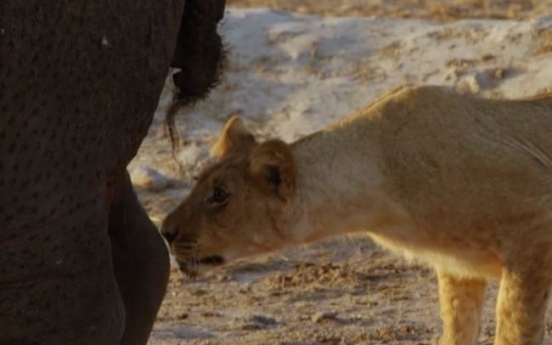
<point x="211" y="260"/>
<point x="273" y="176"/>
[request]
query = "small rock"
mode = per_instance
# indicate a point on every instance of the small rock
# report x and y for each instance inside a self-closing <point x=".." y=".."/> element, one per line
<point x="256" y="322"/>
<point x="499" y="73"/>
<point x="473" y="82"/>
<point x="487" y="57"/>
<point x="150" y="179"/>
<point x="199" y="292"/>
<point x="484" y="80"/>
<point x="262" y="319"/>
<point x="469" y="84"/>
<point x="210" y="314"/>
<point x="324" y="316"/>
<point x="250" y="327"/>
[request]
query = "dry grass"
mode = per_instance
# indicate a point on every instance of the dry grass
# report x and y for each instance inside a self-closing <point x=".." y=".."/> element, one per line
<point x="441" y="10"/>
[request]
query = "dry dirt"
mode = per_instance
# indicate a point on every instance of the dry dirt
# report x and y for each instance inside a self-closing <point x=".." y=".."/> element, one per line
<point x="442" y="10"/>
<point x="344" y="291"/>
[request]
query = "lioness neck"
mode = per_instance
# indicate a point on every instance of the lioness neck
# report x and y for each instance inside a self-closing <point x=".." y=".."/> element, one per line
<point x="340" y="185"/>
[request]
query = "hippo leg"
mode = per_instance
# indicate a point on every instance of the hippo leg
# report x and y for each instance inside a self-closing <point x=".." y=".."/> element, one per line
<point x="141" y="262"/>
<point x="57" y="284"/>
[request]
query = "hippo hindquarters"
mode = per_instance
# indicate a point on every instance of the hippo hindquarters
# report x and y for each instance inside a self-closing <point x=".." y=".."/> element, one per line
<point x="141" y="262"/>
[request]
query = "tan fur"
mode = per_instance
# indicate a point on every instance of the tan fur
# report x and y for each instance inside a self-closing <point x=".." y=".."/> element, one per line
<point x="234" y="137"/>
<point x="274" y="156"/>
<point x="464" y="184"/>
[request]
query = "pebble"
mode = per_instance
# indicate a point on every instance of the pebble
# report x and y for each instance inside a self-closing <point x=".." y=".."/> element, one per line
<point x="324" y="316"/>
<point x="469" y="84"/>
<point x="256" y="322"/>
<point x="262" y="319"/>
<point x="148" y="178"/>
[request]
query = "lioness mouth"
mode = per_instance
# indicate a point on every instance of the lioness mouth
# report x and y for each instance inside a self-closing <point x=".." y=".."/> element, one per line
<point x="185" y="268"/>
<point x="214" y="260"/>
<point x="188" y="267"/>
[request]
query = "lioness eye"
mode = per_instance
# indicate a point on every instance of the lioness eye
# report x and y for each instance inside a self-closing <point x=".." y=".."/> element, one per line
<point x="218" y="197"/>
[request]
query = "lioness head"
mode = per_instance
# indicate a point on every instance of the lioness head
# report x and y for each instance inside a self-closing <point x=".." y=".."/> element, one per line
<point x="238" y="206"/>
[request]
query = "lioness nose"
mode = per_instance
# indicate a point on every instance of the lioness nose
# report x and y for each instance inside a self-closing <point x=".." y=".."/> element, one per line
<point x="169" y="230"/>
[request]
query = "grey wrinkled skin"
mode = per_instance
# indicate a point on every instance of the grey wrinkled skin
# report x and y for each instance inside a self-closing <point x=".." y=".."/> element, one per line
<point x="80" y="261"/>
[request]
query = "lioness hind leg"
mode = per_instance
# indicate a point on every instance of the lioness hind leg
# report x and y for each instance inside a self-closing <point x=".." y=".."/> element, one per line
<point x="461" y="302"/>
<point x="521" y="306"/>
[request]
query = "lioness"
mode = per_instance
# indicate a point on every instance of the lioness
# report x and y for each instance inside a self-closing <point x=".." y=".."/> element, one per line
<point x="464" y="184"/>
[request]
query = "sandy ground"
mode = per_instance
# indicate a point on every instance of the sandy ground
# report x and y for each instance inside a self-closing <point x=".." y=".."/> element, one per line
<point x="291" y="74"/>
<point x="441" y="10"/>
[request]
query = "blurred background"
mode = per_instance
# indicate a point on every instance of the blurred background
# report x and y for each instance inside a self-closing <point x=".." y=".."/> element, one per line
<point x="442" y="10"/>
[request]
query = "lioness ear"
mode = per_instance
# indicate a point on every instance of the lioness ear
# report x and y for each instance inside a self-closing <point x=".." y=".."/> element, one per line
<point x="234" y="137"/>
<point x="274" y="165"/>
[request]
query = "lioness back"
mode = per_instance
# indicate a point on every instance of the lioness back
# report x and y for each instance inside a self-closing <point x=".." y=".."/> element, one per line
<point x="479" y="161"/>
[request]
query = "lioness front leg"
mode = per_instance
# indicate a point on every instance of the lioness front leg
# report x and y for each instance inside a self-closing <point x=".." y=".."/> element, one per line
<point x="461" y="302"/>
<point x="521" y="306"/>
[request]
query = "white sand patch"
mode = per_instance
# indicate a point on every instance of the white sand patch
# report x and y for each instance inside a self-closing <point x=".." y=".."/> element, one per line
<point x="289" y="75"/>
